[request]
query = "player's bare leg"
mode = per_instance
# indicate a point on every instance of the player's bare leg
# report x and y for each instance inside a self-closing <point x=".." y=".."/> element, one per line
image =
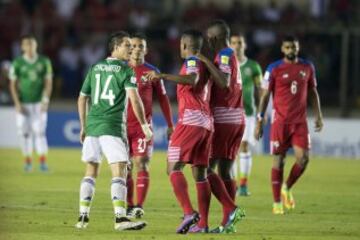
<point x="302" y="159"/>
<point x="180" y="187"/>
<point x="277" y="173"/>
<point x="142" y="184"/>
<point x="130" y="190"/>
<point x="203" y="197"/>
<point x="118" y="196"/>
<point x="245" y="168"/>
<point x="87" y="191"/>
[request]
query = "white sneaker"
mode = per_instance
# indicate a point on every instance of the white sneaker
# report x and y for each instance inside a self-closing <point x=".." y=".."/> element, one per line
<point x="122" y="224"/>
<point x="83" y="222"/>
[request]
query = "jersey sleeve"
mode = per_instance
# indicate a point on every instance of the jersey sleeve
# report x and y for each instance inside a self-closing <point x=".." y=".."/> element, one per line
<point x="268" y="80"/>
<point x="257" y="74"/>
<point x="223" y="61"/>
<point x="312" y="80"/>
<point x="49" y="69"/>
<point x="86" y="87"/>
<point x="130" y="80"/>
<point x="192" y="67"/>
<point x="13" y="71"/>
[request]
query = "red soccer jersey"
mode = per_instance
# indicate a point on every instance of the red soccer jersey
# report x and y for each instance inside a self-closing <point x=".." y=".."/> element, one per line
<point x="226" y="104"/>
<point x="194" y="101"/>
<point x="289" y="84"/>
<point x="145" y="88"/>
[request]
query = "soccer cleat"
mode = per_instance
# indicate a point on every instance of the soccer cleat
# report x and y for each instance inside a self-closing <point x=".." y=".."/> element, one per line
<point x="287" y="198"/>
<point x="278" y="208"/>
<point x="44" y="167"/>
<point x="187" y="222"/>
<point x="28" y="167"/>
<point x="243" y="191"/>
<point x="235" y="216"/>
<point x="196" y="229"/>
<point x="219" y="229"/>
<point x="124" y="223"/>
<point x="130" y="212"/>
<point x="83" y="222"/>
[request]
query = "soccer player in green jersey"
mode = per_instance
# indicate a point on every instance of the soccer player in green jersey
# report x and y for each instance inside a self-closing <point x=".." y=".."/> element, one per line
<point x="251" y="79"/>
<point x="30" y="86"/>
<point x="109" y="84"/>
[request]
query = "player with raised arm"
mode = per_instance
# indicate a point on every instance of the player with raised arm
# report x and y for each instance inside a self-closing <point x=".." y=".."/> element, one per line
<point x="109" y="84"/>
<point x="226" y="105"/>
<point x="290" y="81"/>
<point x="140" y="149"/>
<point x="190" y="143"/>
<point x="30" y="86"/>
<point x="251" y="80"/>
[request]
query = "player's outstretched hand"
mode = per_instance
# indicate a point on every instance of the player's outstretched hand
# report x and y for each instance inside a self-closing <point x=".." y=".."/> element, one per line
<point x="170" y="131"/>
<point x="258" y="130"/>
<point x="318" y="124"/>
<point x="152" y="75"/>
<point x="82" y="136"/>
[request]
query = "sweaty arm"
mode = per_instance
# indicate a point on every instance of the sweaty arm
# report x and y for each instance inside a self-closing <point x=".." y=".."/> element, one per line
<point x="82" y="101"/>
<point x="190" y="79"/>
<point x="315" y="102"/>
<point x="221" y="79"/>
<point x="264" y="101"/>
<point x="257" y="90"/>
<point x="139" y="111"/>
<point x="164" y="102"/>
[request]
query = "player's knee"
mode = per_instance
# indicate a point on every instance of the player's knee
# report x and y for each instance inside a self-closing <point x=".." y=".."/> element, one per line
<point x="303" y="161"/>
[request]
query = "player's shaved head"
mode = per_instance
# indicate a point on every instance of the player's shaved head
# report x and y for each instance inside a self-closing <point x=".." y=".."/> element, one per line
<point x="219" y="29"/>
<point x="116" y="39"/>
<point x="290" y="38"/>
<point x="193" y="39"/>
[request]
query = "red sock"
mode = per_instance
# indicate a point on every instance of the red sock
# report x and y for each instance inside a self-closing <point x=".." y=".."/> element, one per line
<point x="28" y="160"/>
<point x="203" y="196"/>
<point x="243" y="181"/>
<point x="130" y="190"/>
<point x="180" y="188"/>
<point x="230" y="185"/>
<point x="221" y="194"/>
<point x="42" y="159"/>
<point x="276" y="182"/>
<point x="295" y="173"/>
<point x="142" y="186"/>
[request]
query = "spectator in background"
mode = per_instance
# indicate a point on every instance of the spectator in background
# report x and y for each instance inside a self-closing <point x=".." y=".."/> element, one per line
<point x="271" y="13"/>
<point x="5" y="98"/>
<point x="69" y="59"/>
<point x="66" y="8"/>
<point x="92" y="51"/>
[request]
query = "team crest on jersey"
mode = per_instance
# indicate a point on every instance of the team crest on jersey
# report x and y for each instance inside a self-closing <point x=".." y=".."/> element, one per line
<point x="144" y="79"/>
<point x="248" y="71"/>
<point x="133" y="80"/>
<point x="275" y="144"/>
<point x="285" y="75"/>
<point x="224" y="60"/>
<point x="302" y="74"/>
<point x="39" y="67"/>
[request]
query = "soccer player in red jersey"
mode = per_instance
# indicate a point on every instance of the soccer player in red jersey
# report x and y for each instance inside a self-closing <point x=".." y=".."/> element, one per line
<point x="190" y="143"/>
<point x="226" y="105"/>
<point x="141" y="150"/>
<point x="290" y="81"/>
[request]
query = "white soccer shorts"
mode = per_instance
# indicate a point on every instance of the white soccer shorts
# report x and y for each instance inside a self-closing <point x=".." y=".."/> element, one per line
<point x="33" y="121"/>
<point x="113" y="148"/>
<point x="249" y="131"/>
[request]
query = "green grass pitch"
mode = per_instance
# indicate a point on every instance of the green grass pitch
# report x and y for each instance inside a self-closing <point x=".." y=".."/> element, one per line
<point x="45" y="206"/>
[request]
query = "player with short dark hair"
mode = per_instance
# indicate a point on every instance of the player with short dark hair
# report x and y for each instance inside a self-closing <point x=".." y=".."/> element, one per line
<point x="251" y="80"/>
<point x="191" y="140"/>
<point x="290" y="81"/>
<point x="109" y="84"/>
<point x="227" y="109"/>
<point x="140" y="149"/>
<point x="31" y="86"/>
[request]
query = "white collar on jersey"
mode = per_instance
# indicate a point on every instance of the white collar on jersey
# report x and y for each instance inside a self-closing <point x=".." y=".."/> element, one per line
<point x="111" y="58"/>
<point x="31" y="60"/>
<point x="243" y="62"/>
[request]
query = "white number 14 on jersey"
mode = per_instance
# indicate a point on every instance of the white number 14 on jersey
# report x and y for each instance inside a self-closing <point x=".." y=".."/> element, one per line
<point x="106" y="93"/>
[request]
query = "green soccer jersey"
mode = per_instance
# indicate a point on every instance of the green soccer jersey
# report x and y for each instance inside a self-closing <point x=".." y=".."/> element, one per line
<point x="31" y="75"/>
<point x="106" y="84"/>
<point x="251" y="75"/>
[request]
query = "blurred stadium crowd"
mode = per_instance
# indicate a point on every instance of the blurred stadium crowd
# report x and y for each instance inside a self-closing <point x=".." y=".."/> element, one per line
<point x="72" y="32"/>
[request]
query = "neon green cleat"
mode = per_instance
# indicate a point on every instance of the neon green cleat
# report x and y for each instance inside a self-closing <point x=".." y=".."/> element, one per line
<point x="287" y="198"/>
<point x="278" y="208"/>
<point x="237" y="215"/>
